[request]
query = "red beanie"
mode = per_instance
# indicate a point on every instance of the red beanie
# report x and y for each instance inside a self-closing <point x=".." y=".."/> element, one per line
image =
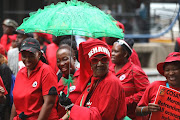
<point x="87" y="50"/>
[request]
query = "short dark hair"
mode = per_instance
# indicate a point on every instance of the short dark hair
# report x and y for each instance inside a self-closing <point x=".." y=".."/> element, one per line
<point x="74" y="45"/>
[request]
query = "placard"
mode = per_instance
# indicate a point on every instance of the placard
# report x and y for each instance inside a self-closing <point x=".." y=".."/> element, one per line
<point x="169" y="101"/>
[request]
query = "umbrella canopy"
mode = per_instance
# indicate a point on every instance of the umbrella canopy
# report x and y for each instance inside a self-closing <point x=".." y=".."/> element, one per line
<point x="72" y="18"/>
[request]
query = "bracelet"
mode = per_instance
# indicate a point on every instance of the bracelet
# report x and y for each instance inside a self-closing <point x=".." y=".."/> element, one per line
<point x="142" y="110"/>
<point x="69" y="107"/>
<point x="67" y="112"/>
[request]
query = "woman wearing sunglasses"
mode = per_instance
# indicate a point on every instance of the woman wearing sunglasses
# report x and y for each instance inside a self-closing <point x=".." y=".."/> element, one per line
<point x="171" y="70"/>
<point x="132" y="77"/>
<point x="102" y="95"/>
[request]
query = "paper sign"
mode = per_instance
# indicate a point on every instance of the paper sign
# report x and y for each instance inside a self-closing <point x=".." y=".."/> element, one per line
<point x="169" y="101"/>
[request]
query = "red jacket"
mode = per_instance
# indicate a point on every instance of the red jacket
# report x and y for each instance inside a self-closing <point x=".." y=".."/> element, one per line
<point x="74" y="90"/>
<point x="6" y="40"/>
<point x="107" y="101"/>
<point x="134" y="58"/>
<point x="51" y="56"/>
<point x="134" y="82"/>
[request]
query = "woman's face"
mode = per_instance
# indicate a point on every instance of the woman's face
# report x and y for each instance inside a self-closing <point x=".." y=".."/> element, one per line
<point x="172" y="73"/>
<point x="30" y="59"/>
<point x="63" y="59"/>
<point x="118" y="54"/>
<point x="100" y="69"/>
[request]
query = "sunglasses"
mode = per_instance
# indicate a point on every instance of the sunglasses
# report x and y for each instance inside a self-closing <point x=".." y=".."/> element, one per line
<point x="95" y="60"/>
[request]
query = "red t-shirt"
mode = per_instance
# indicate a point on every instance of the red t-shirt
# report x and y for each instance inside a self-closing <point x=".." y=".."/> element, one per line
<point x="134" y="81"/>
<point x="28" y="92"/>
<point x="74" y="91"/>
<point x="6" y="40"/>
<point x="107" y="101"/>
<point x="2" y="85"/>
<point x="150" y="94"/>
<point x="51" y="56"/>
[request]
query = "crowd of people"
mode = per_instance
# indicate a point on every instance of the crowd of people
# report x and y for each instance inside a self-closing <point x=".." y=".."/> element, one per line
<point x="46" y="77"/>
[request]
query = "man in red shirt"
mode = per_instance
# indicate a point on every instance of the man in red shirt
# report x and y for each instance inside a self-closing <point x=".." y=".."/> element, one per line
<point x="9" y="26"/>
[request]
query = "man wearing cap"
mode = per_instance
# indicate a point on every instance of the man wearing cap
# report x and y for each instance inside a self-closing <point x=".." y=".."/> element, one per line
<point x="9" y="26"/>
<point x="170" y="69"/>
<point x="14" y="57"/>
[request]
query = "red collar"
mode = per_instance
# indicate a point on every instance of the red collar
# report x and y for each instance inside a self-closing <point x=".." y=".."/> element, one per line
<point x="124" y="68"/>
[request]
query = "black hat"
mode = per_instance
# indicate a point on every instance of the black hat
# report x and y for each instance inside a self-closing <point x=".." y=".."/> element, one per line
<point x="10" y="23"/>
<point x="130" y="42"/>
<point x="30" y="44"/>
<point x="22" y="32"/>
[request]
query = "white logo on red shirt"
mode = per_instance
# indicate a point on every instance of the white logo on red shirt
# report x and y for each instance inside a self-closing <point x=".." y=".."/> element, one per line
<point x="34" y="84"/>
<point x="122" y="77"/>
<point x="89" y="103"/>
<point x="72" y="88"/>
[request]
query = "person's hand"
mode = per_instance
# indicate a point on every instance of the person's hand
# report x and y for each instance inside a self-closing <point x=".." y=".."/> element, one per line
<point x="152" y="107"/>
<point x="1" y="92"/>
<point x="65" y="101"/>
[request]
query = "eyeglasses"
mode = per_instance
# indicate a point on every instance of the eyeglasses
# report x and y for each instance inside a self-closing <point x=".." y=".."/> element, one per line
<point x="95" y="60"/>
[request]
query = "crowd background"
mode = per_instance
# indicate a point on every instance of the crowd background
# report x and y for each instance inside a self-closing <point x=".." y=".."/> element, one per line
<point x="11" y="59"/>
<point x="139" y="17"/>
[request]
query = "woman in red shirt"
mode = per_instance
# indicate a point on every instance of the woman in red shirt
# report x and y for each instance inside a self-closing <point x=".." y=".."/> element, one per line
<point x="133" y="78"/>
<point x="35" y="88"/>
<point x="63" y="56"/>
<point x="171" y="70"/>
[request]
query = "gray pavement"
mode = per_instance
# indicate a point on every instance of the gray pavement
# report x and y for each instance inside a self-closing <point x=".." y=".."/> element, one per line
<point x="153" y="74"/>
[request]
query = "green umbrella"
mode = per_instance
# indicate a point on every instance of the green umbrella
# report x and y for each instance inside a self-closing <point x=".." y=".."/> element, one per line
<point x="72" y="18"/>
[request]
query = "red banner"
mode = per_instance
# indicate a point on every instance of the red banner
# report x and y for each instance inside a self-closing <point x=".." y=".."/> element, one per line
<point x="169" y="101"/>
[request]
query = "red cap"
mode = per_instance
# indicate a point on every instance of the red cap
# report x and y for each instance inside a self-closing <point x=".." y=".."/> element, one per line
<point x="174" y="56"/>
<point x="87" y="50"/>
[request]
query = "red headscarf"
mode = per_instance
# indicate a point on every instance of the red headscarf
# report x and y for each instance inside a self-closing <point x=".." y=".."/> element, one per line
<point x="85" y="53"/>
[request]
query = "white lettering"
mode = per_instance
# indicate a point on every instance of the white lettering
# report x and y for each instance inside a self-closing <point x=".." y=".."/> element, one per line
<point x="98" y="49"/>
